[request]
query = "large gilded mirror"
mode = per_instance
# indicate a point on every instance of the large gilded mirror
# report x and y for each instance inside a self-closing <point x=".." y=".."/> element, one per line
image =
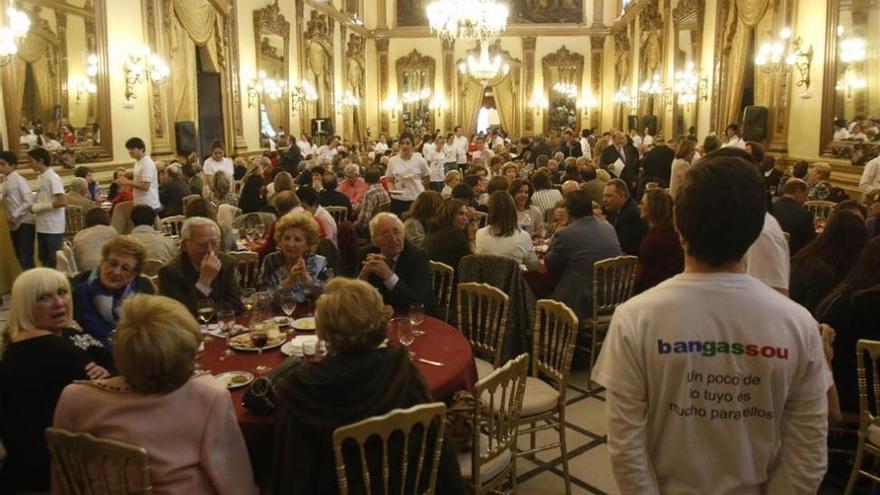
<point x="852" y="78"/>
<point x="651" y="87"/>
<point x="272" y="38"/>
<point x="563" y="73"/>
<point x="687" y="20"/>
<point x="415" y="85"/>
<point x="55" y="89"/>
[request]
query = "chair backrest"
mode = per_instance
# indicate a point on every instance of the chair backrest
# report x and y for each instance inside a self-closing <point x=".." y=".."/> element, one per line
<point x="482" y="218"/>
<point x="553" y="341"/>
<point x="254" y="218"/>
<point x="339" y="213"/>
<point x="613" y="283"/>
<point x="151" y="267"/>
<point x="868" y="378"/>
<point x="497" y="409"/>
<point x="73" y="220"/>
<point x="62" y="265"/>
<point x="85" y="464"/>
<point x="67" y="249"/>
<point x="154" y="279"/>
<point x="482" y="317"/>
<point x="821" y="210"/>
<point x="121" y="217"/>
<point x="247" y="269"/>
<point x="189" y="198"/>
<point x="407" y="443"/>
<point x="226" y="215"/>
<point x="442" y="280"/>
<point x="172" y="225"/>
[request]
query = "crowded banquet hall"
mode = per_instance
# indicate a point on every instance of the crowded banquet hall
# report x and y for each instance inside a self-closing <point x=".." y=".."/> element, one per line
<point x="439" y="246"/>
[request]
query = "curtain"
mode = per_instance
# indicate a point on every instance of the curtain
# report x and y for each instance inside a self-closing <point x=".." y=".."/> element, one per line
<point x="471" y="99"/>
<point x="183" y="70"/>
<point x="744" y="17"/>
<point x="505" y="104"/>
<point x="197" y="18"/>
<point x="36" y="52"/>
<point x="751" y="11"/>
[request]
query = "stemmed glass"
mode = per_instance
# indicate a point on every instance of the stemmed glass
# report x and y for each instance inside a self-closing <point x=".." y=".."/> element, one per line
<point x="226" y="319"/>
<point x="402" y="327"/>
<point x="205" y="311"/>
<point x="287" y="303"/>
<point x="247" y="300"/>
<point x="259" y="335"/>
<point x="417" y="317"/>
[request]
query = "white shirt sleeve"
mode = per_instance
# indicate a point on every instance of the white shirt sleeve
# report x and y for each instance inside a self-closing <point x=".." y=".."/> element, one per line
<point x="767" y="259"/>
<point x="870" y="179"/>
<point x="627" y="420"/>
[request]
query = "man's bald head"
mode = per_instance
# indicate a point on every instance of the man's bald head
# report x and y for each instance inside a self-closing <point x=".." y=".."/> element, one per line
<point x="569" y="186"/>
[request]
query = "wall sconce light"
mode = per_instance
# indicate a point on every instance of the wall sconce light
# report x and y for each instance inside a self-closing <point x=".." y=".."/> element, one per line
<point x="10" y="37"/>
<point x="438" y="105"/>
<point x="301" y="95"/>
<point x="416" y="96"/>
<point x="690" y="85"/>
<point x="83" y="85"/>
<point x="852" y="52"/>
<point x="587" y="102"/>
<point x="391" y="105"/>
<point x="782" y="54"/>
<point x="348" y="100"/>
<point x="539" y="103"/>
<point x="142" y="65"/>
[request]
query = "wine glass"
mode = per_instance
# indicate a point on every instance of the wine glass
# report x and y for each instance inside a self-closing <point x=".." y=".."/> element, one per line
<point x="417" y="317"/>
<point x="287" y="302"/>
<point x="259" y="335"/>
<point x="205" y="312"/>
<point x="402" y="327"/>
<point x="226" y="319"/>
<point x="247" y="300"/>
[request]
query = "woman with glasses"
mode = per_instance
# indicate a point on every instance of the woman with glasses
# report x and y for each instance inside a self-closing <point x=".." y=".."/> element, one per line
<point x="98" y="293"/>
<point x="38" y="361"/>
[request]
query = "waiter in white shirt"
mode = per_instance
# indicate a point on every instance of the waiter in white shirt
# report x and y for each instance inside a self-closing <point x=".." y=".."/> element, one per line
<point x="217" y="163"/>
<point x="145" y="185"/>
<point x="17" y="197"/>
<point x="461" y="144"/>
<point x="49" y="208"/>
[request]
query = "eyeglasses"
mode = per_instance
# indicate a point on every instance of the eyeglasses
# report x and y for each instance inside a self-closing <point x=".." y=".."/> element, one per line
<point x="214" y="244"/>
<point x="114" y="264"/>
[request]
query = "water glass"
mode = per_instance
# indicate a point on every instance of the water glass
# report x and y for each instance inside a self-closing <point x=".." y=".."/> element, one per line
<point x="226" y="319"/>
<point x="417" y="317"/>
<point x="403" y="329"/>
<point x="204" y="313"/>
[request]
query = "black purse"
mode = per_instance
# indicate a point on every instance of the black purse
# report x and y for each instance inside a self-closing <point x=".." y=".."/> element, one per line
<point x="261" y="398"/>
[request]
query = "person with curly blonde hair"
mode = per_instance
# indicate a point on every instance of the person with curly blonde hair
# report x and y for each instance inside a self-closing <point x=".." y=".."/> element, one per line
<point x="294" y="266"/>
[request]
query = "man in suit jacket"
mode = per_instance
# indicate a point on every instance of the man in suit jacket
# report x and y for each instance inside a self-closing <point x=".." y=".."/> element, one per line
<point x="658" y="163"/>
<point x="399" y="269"/>
<point x="173" y="190"/>
<point x="623" y="213"/>
<point x="540" y="147"/>
<point x="573" y="251"/>
<point x="619" y="149"/>
<point x="200" y="271"/>
<point x="570" y="147"/>
<point x="793" y="217"/>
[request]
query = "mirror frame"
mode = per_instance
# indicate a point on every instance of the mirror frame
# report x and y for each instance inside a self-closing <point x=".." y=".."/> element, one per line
<point x="86" y="154"/>
<point x="563" y="57"/>
<point x="415" y="61"/>
<point x="270" y="20"/>
<point x="651" y="20"/>
<point x="683" y="12"/>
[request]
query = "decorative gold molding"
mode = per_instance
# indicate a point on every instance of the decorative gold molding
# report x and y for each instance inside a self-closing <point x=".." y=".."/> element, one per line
<point x="448" y="47"/>
<point x="543" y="30"/>
<point x="382" y="55"/>
<point x="528" y="44"/>
<point x="415" y="61"/>
<point x="562" y="60"/>
<point x="270" y="20"/>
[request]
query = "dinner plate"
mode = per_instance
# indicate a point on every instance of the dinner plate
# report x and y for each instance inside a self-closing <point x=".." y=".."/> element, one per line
<point x="242" y="342"/>
<point x="305" y="324"/>
<point x="214" y="330"/>
<point x="294" y="346"/>
<point x="234" y="379"/>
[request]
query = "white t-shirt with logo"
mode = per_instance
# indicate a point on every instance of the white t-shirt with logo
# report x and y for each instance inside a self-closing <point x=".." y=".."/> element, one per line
<point x="436" y="162"/>
<point x="715" y="367"/>
<point x="49" y="221"/>
<point x="145" y="171"/>
<point x="225" y="165"/>
<point x="767" y="258"/>
<point x="407" y="175"/>
<point x="461" y="143"/>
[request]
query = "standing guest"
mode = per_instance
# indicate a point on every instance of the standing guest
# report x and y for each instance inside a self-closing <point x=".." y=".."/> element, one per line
<point x="417" y="221"/>
<point x="660" y="254"/>
<point x="663" y="346"/>
<point x="453" y="178"/>
<point x="173" y="190"/>
<point x="433" y="155"/>
<point x="684" y="158"/>
<point x="528" y="216"/>
<point x="818" y="179"/>
<point x="545" y="195"/>
<point x="94" y="189"/>
<point x="329" y="196"/>
<point x="623" y="213"/>
<point x="460" y="141"/>
<point x="146" y="176"/>
<point x="870" y="179"/>
<point x="200" y="271"/>
<point x="793" y="217"/>
<point x="295" y="266"/>
<point x="17" y="198"/>
<point x="48" y="207"/>
<point x="454" y="235"/>
<point x="79" y="194"/>
<point x="252" y="198"/>
<point x="586" y="136"/>
<point x="38" y="362"/>
<point x="306" y="148"/>
<point x="98" y="292"/>
<point x="198" y="447"/>
<point x="193" y="177"/>
<point x="405" y="174"/>
<point x="570" y="147"/>
<point x="310" y="202"/>
<point x="628" y="157"/>
<point x="822" y="264"/>
<point x="452" y="153"/>
<point x="240" y="166"/>
<point x="217" y="163"/>
<point x="158" y="247"/>
<point x="594" y="183"/>
<point x="733" y="138"/>
<point x="353" y="186"/>
<point x="358" y="378"/>
<point x="375" y="198"/>
<point x="657" y="164"/>
<point x="772" y="172"/>
<point x="221" y="192"/>
<point x="574" y="249"/>
<point x="291" y="158"/>
<point x="396" y="267"/>
<point x="502" y="236"/>
<point x="88" y="242"/>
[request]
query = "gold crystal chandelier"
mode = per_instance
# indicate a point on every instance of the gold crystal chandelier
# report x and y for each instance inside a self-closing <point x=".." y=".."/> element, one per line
<point x="470" y="19"/>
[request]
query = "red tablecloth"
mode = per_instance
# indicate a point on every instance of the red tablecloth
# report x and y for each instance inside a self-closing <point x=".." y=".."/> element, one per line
<point x="541" y="281"/>
<point x="441" y="342"/>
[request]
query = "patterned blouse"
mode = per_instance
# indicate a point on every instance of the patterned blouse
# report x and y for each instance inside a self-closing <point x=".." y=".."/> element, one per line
<point x="275" y="270"/>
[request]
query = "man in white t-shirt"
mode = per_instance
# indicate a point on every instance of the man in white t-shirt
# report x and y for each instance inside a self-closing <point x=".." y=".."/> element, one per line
<point x="461" y="144"/>
<point x="405" y="173"/>
<point x="48" y="208"/>
<point x="16" y="196"/>
<point x="767" y="259"/>
<point x="217" y="163"/>
<point x="145" y="185"/>
<point x="715" y="382"/>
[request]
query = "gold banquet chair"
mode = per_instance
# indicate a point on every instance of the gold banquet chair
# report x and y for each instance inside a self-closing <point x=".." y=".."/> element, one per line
<point x="613" y="283"/>
<point x="73" y="220"/>
<point x="442" y="281"/>
<point x="482" y="318"/>
<point x="482" y="218"/>
<point x="189" y="198"/>
<point x="553" y="345"/>
<point x="172" y="225"/>
<point x="339" y="213"/>
<point x="492" y="460"/>
<point x="247" y="268"/>
<point x="151" y="267"/>
<point x="84" y="464"/>
<point x="398" y="435"/>
<point x="821" y="210"/>
<point x="869" y="414"/>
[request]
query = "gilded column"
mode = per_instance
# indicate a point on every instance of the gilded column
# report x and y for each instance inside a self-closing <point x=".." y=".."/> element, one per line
<point x="448" y="81"/>
<point x="528" y="44"/>
<point x="597" y="48"/>
<point x="382" y="53"/>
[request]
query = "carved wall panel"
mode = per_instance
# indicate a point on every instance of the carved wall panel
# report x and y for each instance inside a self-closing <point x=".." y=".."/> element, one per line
<point x="563" y="73"/>
<point x="382" y="55"/>
<point x="355" y="80"/>
<point x="528" y="43"/>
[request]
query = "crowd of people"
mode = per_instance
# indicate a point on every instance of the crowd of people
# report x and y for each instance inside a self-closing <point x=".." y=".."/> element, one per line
<point x="724" y="242"/>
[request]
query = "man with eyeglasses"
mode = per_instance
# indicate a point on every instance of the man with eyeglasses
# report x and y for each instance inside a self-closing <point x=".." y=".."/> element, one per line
<point x="200" y="271"/>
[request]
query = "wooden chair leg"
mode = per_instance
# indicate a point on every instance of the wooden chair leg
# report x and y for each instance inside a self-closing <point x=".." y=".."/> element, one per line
<point x="593" y="347"/>
<point x="857" y="465"/>
<point x="563" y="450"/>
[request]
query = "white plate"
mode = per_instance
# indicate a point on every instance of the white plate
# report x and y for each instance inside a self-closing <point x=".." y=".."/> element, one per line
<point x="306" y="324"/>
<point x="242" y="378"/>
<point x="294" y="347"/>
<point x="282" y="321"/>
<point x="214" y="330"/>
<point x="278" y="342"/>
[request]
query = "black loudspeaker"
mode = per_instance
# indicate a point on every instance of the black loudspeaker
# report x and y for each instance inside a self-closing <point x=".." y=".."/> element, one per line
<point x="754" y="126"/>
<point x="649" y="122"/>
<point x="186" y="137"/>
<point x="322" y="127"/>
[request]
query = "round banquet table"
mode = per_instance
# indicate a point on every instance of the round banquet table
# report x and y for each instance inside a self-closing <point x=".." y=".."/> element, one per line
<point x="441" y="343"/>
<point x="542" y="281"/>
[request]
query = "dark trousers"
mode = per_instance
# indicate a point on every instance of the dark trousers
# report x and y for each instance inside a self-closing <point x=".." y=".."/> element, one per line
<point x="23" y="244"/>
<point x="399" y="207"/>
<point x="437" y="186"/>
<point x="47" y="245"/>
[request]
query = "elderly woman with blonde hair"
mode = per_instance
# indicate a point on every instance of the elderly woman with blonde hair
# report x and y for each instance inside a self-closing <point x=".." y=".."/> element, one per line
<point x="295" y="266"/>
<point x="40" y="357"/>
<point x="221" y="192"/>
<point x="358" y="378"/>
<point x="185" y="420"/>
